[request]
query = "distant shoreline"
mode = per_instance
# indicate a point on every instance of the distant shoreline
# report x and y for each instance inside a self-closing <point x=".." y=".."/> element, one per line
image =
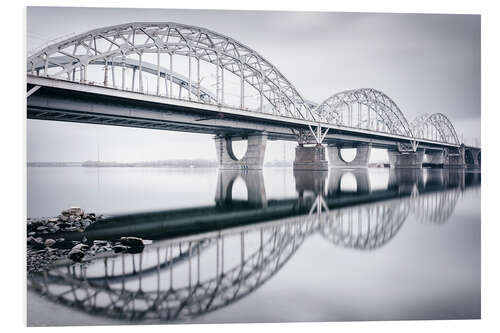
<point x="188" y="164"/>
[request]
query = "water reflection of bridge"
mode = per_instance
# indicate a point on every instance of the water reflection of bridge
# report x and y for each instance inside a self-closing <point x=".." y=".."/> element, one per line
<point x="215" y="261"/>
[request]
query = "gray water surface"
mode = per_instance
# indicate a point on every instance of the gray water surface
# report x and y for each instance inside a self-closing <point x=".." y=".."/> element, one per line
<point x="275" y="246"/>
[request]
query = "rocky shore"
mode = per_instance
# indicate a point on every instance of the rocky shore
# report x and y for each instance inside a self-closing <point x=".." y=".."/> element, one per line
<point x="44" y="246"/>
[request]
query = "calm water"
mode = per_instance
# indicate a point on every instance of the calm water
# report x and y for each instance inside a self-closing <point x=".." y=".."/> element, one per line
<point x="272" y="246"/>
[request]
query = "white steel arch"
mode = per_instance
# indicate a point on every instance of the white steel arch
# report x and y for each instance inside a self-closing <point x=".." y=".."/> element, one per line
<point x="364" y="108"/>
<point x="113" y="46"/>
<point x="435" y="127"/>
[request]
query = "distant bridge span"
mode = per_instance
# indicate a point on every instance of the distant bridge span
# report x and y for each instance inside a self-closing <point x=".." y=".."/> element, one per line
<point x="130" y="75"/>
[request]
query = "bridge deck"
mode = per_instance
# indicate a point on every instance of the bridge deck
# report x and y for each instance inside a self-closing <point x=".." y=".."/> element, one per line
<point x="63" y="100"/>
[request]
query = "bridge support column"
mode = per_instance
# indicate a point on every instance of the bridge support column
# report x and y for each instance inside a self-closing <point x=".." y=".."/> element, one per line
<point x="253" y="159"/>
<point x="361" y="160"/>
<point x="472" y="158"/>
<point x="406" y="160"/>
<point x="435" y="158"/>
<point x="310" y="158"/>
<point x="454" y="158"/>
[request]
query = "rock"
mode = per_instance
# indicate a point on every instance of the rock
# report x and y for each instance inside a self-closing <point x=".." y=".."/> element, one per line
<point x="36" y="243"/>
<point x="86" y="222"/>
<point x="31" y="233"/>
<point x="76" y="255"/>
<point x="136" y="249"/>
<point x="53" y="220"/>
<point x="60" y="240"/>
<point x="49" y="242"/>
<point x="80" y="247"/>
<point x="75" y="211"/>
<point x="132" y="241"/>
<point x="100" y="243"/>
<point x="41" y="228"/>
<point x="119" y="248"/>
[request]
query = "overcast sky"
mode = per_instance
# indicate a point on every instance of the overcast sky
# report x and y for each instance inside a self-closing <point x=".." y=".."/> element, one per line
<point x="425" y="63"/>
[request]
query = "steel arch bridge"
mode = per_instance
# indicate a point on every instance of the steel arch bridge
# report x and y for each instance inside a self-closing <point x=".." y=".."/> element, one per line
<point x="115" y="46"/>
<point x="219" y="71"/>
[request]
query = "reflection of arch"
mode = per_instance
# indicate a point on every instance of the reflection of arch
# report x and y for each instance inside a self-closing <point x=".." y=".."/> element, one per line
<point x="183" y="290"/>
<point x="365" y="227"/>
<point x="454" y="178"/>
<point x="116" y="44"/>
<point x="435" y="127"/>
<point x="171" y="298"/>
<point x="435" y="207"/>
<point x="254" y="181"/>
<point x="375" y="111"/>
<point x="335" y="179"/>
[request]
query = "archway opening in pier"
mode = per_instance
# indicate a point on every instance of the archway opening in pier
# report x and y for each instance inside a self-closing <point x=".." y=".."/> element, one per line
<point x="348" y="182"/>
<point x="348" y="154"/>
<point x="239" y="190"/>
<point x="469" y="158"/>
<point x="239" y="148"/>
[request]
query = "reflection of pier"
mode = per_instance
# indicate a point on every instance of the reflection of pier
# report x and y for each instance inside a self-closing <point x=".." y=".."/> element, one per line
<point x="202" y="268"/>
<point x="360" y="175"/>
<point x="254" y="181"/>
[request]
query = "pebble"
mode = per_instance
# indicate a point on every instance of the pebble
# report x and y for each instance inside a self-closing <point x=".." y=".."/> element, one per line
<point x="49" y="242"/>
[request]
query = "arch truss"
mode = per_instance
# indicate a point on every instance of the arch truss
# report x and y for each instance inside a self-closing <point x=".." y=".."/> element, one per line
<point x="435" y="127"/>
<point x="364" y="108"/>
<point x="144" y="57"/>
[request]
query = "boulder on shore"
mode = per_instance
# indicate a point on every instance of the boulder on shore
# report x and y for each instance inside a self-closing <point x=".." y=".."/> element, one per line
<point x="132" y="241"/>
<point x="76" y="255"/>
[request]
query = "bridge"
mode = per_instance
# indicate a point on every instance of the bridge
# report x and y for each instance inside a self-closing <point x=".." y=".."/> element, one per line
<point x="177" y="77"/>
<point x="197" y="270"/>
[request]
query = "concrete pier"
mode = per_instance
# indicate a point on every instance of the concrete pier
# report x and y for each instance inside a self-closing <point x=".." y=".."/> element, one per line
<point x="254" y="156"/>
<point x="472" y="158"/>
<point x="360" y="160"/>
<point x="454" y="158"/>
<point x="310" y="158"/>
<point x="435" y="158"/>
<point x="406" y="160"/>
